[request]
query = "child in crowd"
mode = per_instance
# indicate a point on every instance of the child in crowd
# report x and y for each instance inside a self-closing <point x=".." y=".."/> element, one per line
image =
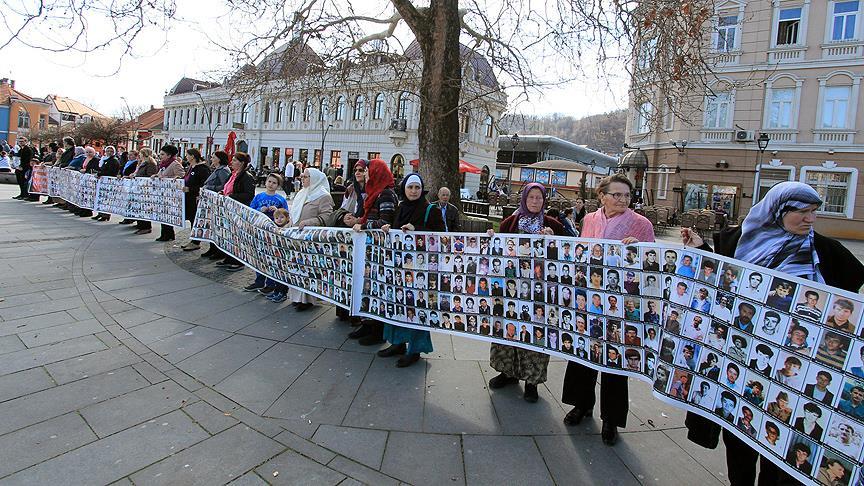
<point x="267" y="202"/>
<point x="282" y="218"/>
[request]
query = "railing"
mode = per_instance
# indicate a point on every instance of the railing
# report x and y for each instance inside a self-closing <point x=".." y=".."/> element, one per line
<point x="843" y="49"/>
<point x="721" y="135"/>
<point x="475" y="208"/>
<point x="786" y="54"/>
<point x="833" y="136"/>
<point x="726" y="58"/>
<point x="781" y="135"/>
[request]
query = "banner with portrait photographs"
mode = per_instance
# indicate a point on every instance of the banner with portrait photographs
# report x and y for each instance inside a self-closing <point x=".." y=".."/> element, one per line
<point x="73" y="186"/>
<point x="775" y="359"/>
<point x="316" y="261"/>
<point x="39" y="180"/>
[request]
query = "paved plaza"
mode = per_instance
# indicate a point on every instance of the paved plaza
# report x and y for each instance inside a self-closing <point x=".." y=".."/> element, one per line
<point x="125" y="361"/>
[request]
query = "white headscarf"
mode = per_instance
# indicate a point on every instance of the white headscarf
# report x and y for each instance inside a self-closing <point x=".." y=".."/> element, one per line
<point x="318" y="187"/>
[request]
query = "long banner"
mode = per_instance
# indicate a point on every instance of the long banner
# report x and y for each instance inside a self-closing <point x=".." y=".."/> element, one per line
<point x="776" y="360"/>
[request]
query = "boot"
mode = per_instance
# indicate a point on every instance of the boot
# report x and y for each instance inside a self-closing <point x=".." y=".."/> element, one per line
<point x="393" y="350"/>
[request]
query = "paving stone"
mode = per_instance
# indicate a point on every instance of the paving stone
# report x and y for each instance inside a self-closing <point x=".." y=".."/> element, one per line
<point x="503" y="460"/>
<point x="39" y="406"/>
<point x="215" y="363"/>
<point x="323" y="393"/>
<point x="80" y="313"/>
<point x="134" y="317"/>
<point x="714" y="460"/>
<point x="62" y="293"/>
<point x="584" y="457"/>
<point x="139" y="292"/>
<point x="457" y="400"/>
<point x="653" y="457"/>
<point x="305" y="447"/>
<point x="37" y="443"/>
<point x="117" y="456"/>
<point x="30" y="358"/>
<point x="60" y="333"/>
<point x="278" y="326"/>
<point x="470" y="349"/>
<point x="266" y="426"/>
<point x="360" y="472"/>
<point x="194" y="303"/>
<point x="40" y="308"/>
<point x="208" y="417"/>
<point x="180" y="346"/>
<point x="441" y="461"/>
<point x="35" y="323"/>
<point x="24" y="383"/>
<point x="135" y="346"/>
<point x="157" y="361"/>
<point x="125" y="282"/>
<point x="295" y="469"/>
<point x="135" y="407"/>
<point x="217" y="460"/>
<point x="365" y="446"/>
<point x="240" y="316"/>
<point x="352" y="482"/>
<point x="248" y="479"/>
<point x="42" y="286"/>
<point x="261" y="381"/>
<point x="10" y="343"/>
<point x="644" y="406"/>
<point x="34" y="297"/>
<point x="116" y="306"/>
<point x="109" y="339"/>
<point x="384" y="386"/>
<point x="91" y="364"/>
<point x="157" y="329"/>
<point x="149" y="373"/>
<point x="117" y="331"/>
<point x="518" y="417"/>
<point x="324" y="331"/>
<point x="183" y="379"/>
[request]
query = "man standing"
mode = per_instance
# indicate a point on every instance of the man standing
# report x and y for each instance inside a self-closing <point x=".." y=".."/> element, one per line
<point x="448" y="211"/>
<point x="288" y="170"/>
<point x="25" y="155"/>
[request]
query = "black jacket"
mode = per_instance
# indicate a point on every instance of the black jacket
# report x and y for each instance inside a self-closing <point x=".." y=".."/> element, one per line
<point x="244" y="188"/>
<point x="110" y="168"/>
<point x="452" y="217"/>
<point x="25" y="153"/>
<point x="67" y="156"/>
<point x="838" y="267"/>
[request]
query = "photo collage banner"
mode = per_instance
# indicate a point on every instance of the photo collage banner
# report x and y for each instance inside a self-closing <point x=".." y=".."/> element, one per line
<point x="775" y="359"/>
<point x="39" y="180"/>
<point x="316" y="261"/>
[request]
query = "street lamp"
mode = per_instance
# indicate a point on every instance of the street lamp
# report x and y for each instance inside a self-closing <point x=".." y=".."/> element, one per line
<point x="582" y="183"/>
<point x="679" y="146"/>
<point x="324" y="131"/>
<point x="514" y="142"/>
<point x="762" y="142"/>
<point x="211" y="130"/>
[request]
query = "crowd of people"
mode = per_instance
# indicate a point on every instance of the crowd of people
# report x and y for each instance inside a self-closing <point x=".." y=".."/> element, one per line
<point x="777" y="233"/>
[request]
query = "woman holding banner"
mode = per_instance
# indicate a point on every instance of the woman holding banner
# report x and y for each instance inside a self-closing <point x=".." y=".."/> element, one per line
<point x="219" y="175"/>
<point x="147" y="167"/>
<point x="310" y="207"/>
<point x="169" y="168"/>
<point x="90" y="165"/>
<point x="778" y="234"/>
<point x="195" y="177"/>
<point x="514" y="364"/>
<point x="350" y="213"/>
<point x="241" y="188"/>
<point x="615" y="221"/>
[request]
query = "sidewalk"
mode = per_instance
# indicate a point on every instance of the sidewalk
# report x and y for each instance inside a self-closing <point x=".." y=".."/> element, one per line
<point x="122" y="359"/>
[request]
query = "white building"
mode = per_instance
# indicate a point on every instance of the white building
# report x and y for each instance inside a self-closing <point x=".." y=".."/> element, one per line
<point x="377" y="118"/>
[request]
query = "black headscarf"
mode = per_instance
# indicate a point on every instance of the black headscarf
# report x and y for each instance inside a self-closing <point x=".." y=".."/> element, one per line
<point x="408" y="208"/>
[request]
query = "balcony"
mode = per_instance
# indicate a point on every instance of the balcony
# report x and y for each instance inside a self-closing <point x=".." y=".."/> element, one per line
<point x="842" y="49"/>
<point x="730" y="58"/>
<point x="783" y="54"/>
<point x="781" y="135"/>
<point x="717" y="135"/>
<point x="834" y="136"/>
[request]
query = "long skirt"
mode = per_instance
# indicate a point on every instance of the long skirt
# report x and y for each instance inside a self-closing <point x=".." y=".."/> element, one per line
<point x="519" y="363"/>
<point x="300" y="297"/>
<point x="418" y="341"/>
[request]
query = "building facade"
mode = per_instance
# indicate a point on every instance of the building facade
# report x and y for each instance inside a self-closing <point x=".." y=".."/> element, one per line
<point x="65" y="111"/>
<point x="790" y="72"/>
<point x="20" y="115"/>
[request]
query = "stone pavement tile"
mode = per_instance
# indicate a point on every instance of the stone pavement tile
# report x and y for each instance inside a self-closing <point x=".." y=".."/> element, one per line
<point x="35" y="297"/>
<point x="134" y="317"/>
<point x="62" y="293"/>
<point x="115" y="330"/>
<point x="180" y="346"/>
<point x="183" y="379"/>
<point x="646" y="407"/>
<point x="122" y="412"/>
<point x="323" y="331"/>
<point x="295" y="469"/>
<point x="155" y="330"/>
<point x="217" y="460"/>
<point x="442" y="345"/>
<point x="305" y="447"/>
<point x="354" y="482"/>
<point x="138" y="292"/>
<point x="714" y="460"/>
<point x="215" y="363"/>
<point x="249" y="479"/>
<point x="80" y="313"/>
<point x="240" y="316"/>
<point x="24" y="383"/>
<point x="27" y="288"/>
<point x="360" y="472"/>
<point x="195" y="303"/>
<point x="465" y="348"/>
<point x="503" y="460"/>
<point x="92" y="364"/>
<point x="424" y="459"/>
<point x="10" y="343"/>
<point x="116" y="306"/>
<point x="518" y="417"/>
<point x="278" y="326"/>
<point x="32" y="445"/>
<point x="653" y="457"/>
<point x="35" y="323"/>
<point x="157" y="361"/>
<point x="125" y="281"/>
<point x="109" y="339"/>
<point x="60" y="333"/>
<point x="261" y="381"/>
<point x="136" y="346"/>
<point x="111" y="271"/>
<point x="30" y="358"/>
<point x="117" y="456"/>
<point x="390" y="397"/>
<point x="39" y="309"/>
<point x="149" y="373"/>
<point x="208" y="417"/>
<point x="267" y="426"/>
<point x="323" y="393"/>
<point x="457" y="400"/>
<point x="365" y="446"/>
<point x="39" y="406"/>
<point x="583" y="458"/>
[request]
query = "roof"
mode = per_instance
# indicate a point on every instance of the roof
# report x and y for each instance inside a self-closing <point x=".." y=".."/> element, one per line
<point x="291" y="60"/>
<point x="7" y="92"/>
<point x="483" y="73"/>
<point x="188" y="85"/>
<point x="68" y="105"/>
<point x="556" y="148"/>
<point x="149" y="120"/>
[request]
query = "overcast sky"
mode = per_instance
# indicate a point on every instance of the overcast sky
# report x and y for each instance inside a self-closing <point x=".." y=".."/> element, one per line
<point x="161" y="60"/>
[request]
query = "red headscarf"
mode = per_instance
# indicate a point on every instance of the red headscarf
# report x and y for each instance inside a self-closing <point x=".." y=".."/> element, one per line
<point x="378" y="178"/>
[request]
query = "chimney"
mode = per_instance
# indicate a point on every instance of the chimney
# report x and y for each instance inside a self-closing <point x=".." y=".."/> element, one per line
<point x="152" y="107"/>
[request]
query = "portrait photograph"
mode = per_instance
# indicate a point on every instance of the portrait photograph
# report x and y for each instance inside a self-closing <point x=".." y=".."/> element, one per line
<point x="687" y="265"/>
<point x="749" y="420"/>
<point x="709" y="365"/>
<point x="703" y="393"/>
<point x="755" y="388"/>
<point x="730" y="277"/>
<point x="680" y="387"/>
<point x="762" y="358"/>
<point x="852" y="398"/>
<point x="801" y="452"/>
<point x="843" y="314"/>
<point x="633" y="359"/>
<point x="845" y="435"/>
<point x="726" y="406"/>
<point x="680" y="291"/>
<point x="801" y="336"/>
<point x="811" y="303"/>
<point x="722" y="309"/>
<point x="834" y="469"/>
<point x="780" y="402"/>
<point x="688" y="355"/>
<point x="717" y="335"/>
<point x="791" y="370"/>
<point x="810" y="419"/>
<point x="695" y="326"/>
<point x="650" y="260"/>
<point x="833" y="349"/>
<point x="651" y="285"/>
<point x="780" y="294"/>
<point x="661" y="378"/>
<point x="668" y="348"/>
<point x="708" y="271"/>
<point x="774" y="435"/>
<point x="754" y="285"/>
<point x="702" y="299"/>
<point x="738" y="347"/>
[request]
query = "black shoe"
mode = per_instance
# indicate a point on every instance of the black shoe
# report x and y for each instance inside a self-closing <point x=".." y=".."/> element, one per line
<point x="501" y="381"/>
<point x="17" y="197"/>
<point x="393" y="350"/>
<point x="360" y="332"/>
<point x="127" y="221"/>
<point x="215" y="256"/>
<point x="234" y="267"/>
<point x="223" y="264"/>
<point x="371" y="339"/>
<point x="408" y="360"/>
<point x="96" y="218"/>
<point x="575" y="416"/>
<point x="609" y="433"/>
<point x="48" y="202"/>
<point x="252" y="287"/>
<point x="266" y="290"/>
<point x="304" y="307"/>
<point x="531" y="395"/>
<point x="207" y="254"/>
<point x="143" y="231"/>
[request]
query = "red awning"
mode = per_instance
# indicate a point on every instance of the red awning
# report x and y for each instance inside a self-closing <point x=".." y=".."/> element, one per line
<point x="463" y="166"/>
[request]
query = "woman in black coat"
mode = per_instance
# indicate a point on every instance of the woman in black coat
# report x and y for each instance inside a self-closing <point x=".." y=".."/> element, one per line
<point x="195" y="177"/>
<point x="778" y="234"/>
<point x="241" y="188"/>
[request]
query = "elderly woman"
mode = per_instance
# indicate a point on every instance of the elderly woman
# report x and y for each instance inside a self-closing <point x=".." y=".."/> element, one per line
<point x="241" y="188"/>
<point x="777" y="233"/>
<point x="169" y="168"/>
<point x="147" y="167"/>
<point x="414" y="213"/>
<point x="514" y="364"/>
<point x="88" y="165"/>
<point x="219" y="175"/>
<point x="195" y="178"/>
<point x="350" y="213"/>
<point x="109" y="166"/>
<point x="616" y="221"/>
<point x="311" y="207"/>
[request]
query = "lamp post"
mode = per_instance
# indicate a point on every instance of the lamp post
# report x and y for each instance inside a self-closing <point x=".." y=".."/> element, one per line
<point x="762" y="142"/>
<point x="582" y="183"/>
<point x="131" y="119"/>
<point x="514" y="142"/>
<point x="324" y="131"/>
<point x="211" y="130"/>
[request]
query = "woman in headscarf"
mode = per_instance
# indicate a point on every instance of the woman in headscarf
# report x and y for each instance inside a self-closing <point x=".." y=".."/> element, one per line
<point x="614" y="220"/>
<point x="379" y="208"/>
<point x="414" y="213"/>
<point x="778" y="234"/>
<point x="90" y="165"/>
<point x="147" y="167"/>
<point x="169" y="168"/>
<point x="512" y="363"/>
<point x="350" y="213"/>
<point x="192" y="183"/>
<point x="310" y="207"/>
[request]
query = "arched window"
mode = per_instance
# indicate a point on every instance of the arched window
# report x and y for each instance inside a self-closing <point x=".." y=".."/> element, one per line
<point x="244" y="113"/>
<point x="307" y="111"/>
<point x="490" y="126"/>
<point x="340" y="108"/>
<point x="292" y="112"/>
<point x="266" y="112"/>
<point x="359" y="101"/>
<point x="195" y="116"/>
<point x="464" y="122"/>
<point x="279" y="108"/>
<point x="23" y="118"/>
<point x="402" y="107"/>
<point x="324" y="109"/>
<point x="378" y="109"/>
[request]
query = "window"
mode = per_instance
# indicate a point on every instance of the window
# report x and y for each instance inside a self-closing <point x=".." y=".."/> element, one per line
<point x="464" y="122"/>
<point x="219" y="114"/>
<point x="292" y="112"/>
<point x="175" y="117"/>
<point x="374" y="155"/>
<point x="662" y="181"/>
<point x="402" y="107"/>
<point x="647" y="53"/>
<point x="770" y="176"/>
<point x="195" y="116"/>
<point x="835" y="106"/>
<point x="316" y="159"/>
<point x="244" y="114"/>
<point x="43" y="121"/>
<point x="340" y="108"/>
<point x="378" y="108"/>
<point x="323" y="110"/>
<point x="788" y="26"/>
<point x="781" y="111"/>
<point x="642" y="121"/>
<point x="834" y="186"/>
<point x="359" y="101"/>
<point x="209" y="116"/>
<point x="188" y="111"/>
<point x="23" y="118"/>
<point x="335" y="158"/>
<point x="668" y="116"/>
<point x="717" y="108"/>
<point x="266" y="112"/>
<point x="280" y="107"/>
<point x="490" y="126"/>
<point x="727" y="28"/>
<point x="843" y="22"/>
<point x="304" y="155"/>
<point x="307" y="111"/>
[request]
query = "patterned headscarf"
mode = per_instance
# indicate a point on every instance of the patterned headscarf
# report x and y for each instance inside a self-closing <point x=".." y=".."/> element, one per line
<point x="530" y="222"/>
<point x="765" y="242"/>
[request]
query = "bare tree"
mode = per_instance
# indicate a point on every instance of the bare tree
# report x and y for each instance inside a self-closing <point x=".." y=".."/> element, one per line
<point x="109" y="131"/>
